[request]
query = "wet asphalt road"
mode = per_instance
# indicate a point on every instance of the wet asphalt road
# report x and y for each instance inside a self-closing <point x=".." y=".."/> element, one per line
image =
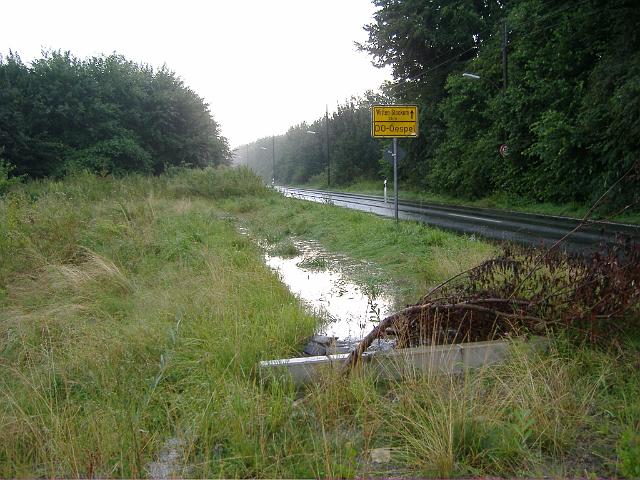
<point x="501" y="225"/>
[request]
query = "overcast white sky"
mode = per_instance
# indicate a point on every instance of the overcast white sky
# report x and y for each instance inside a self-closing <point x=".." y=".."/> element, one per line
<point x="261" y="65"/>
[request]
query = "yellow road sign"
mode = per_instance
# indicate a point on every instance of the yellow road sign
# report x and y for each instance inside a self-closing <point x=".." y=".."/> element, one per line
<point x="394" y="121"/>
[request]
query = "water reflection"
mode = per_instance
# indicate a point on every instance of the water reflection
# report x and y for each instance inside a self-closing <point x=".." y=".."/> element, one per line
<point x="349" y="311"/>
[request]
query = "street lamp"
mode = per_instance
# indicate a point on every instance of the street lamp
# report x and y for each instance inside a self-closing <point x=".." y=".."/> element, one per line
<point x="313" y="132"/>
<point x="273" y="158"/>
<point x="503" y="147"/>
<point x="473" y="76"/>
<point x="326" y="123"/>
<point x="263" y="148"/>
<point x="504" y="61"/>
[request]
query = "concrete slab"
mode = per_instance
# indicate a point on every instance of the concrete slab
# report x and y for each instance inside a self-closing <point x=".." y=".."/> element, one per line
<point x="406" y="362"/>
<point x="409" y="362"/>
<point x="480" y="354"/>
<point x="301" y="370"/>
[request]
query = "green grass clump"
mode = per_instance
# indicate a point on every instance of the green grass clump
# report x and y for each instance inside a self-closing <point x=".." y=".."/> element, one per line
<point x="216" y="183"/>
<point x="318" y="262"/>
<point x="500" y="419"/>
<point x="286" y="249"/>
<point x="629" y="452"/>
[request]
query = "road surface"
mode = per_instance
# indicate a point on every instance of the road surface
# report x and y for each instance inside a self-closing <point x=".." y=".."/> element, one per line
<point x="502" y="225"/>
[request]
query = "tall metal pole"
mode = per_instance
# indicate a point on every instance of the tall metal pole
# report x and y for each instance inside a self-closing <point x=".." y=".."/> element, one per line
<point x="504" y="77"/>
<point x="247" y="160"/>
<point x="273" y="157"/>
<point x="326" y="122"/>
<point x="504" y="55"/>
<point x="395" y="176"/>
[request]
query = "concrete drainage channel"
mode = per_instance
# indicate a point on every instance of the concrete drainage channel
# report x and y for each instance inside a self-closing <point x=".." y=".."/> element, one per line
<point x="350" y="313"/>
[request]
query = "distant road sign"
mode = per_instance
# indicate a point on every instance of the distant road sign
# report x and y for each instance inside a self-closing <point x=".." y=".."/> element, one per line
<point x="504" y="150"/>
<point x="388" y="121"/>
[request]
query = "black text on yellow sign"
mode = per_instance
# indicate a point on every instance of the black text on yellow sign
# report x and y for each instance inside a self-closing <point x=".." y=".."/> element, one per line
<point x="394" y="121"/>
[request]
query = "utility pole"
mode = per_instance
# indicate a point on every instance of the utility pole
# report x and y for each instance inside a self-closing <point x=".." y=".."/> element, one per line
<point x="505" y="42"/>
<point x="247" y="155"/>
<point x="326" y="123"/>
<point x="504" y="56"/>
<point x="273" y="156"/>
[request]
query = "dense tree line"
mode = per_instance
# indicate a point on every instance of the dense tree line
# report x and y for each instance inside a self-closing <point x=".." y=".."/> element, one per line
<point x="105" y="114"/>
<point x="570" y="114"/>
<point x="301" y="153"/>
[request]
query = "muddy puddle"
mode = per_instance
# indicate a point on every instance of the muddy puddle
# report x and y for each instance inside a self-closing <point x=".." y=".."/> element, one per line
<point x="348" y="311"/>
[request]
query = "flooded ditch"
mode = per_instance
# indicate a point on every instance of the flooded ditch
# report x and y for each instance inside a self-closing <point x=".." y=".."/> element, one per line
<point x="347" y="310"/>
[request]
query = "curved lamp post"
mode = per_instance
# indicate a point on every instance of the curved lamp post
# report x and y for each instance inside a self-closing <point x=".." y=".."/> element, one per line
<point x="326" y="123"/>
<point x="502" y="90"/>
<point x="473" y="76"/>
<point x="273" y="158"/>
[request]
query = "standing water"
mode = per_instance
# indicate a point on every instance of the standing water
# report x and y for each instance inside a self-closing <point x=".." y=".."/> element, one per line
<point x="348" y="311"/>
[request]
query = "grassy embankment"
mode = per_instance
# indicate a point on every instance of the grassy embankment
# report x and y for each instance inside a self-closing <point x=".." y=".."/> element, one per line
<point x="408" y="257"/>
<point x="497" y="201"/>
<point x="131" y="312"/>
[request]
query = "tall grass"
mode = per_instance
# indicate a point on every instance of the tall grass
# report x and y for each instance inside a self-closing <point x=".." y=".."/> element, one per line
<point x="133" y="315"/>
<point x="504" y="419"/>
<point x="108" y="286"/>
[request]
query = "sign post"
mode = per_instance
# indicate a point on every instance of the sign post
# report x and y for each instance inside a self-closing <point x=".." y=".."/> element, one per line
<point x="394" y="121"/>
<point x="395" y="177"/>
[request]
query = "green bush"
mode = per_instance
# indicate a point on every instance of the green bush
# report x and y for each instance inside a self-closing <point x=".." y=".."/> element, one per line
<point x="6" y="181"/>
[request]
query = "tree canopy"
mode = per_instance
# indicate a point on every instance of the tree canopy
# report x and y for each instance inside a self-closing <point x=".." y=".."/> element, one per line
<point x="570" y="114"/>
<point x="104" y="114"/>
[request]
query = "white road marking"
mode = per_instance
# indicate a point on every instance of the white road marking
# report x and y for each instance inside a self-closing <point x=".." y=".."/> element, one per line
<point x="475" y="218"/>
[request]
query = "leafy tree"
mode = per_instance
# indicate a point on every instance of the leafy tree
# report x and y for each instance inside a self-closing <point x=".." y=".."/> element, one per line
<point x="569" y="114"/>
<point x="424" y="42"/>
<point x="556" y="110"/>
<point x="105" y="114"/>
